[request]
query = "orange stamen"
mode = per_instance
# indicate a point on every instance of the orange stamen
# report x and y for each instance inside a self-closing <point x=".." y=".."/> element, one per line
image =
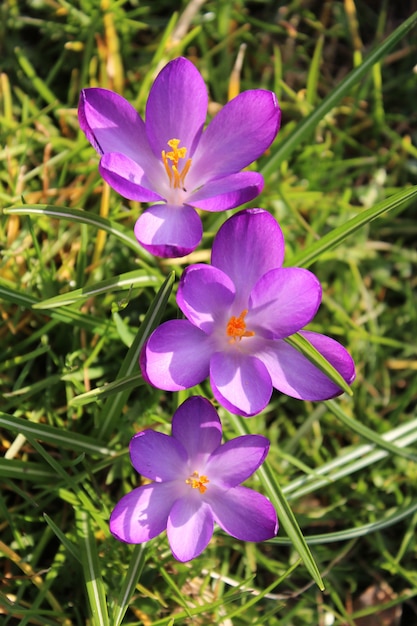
<point x="198" y="482"/>
<point x="175" y="175"/>
<point x="236" y="327"/>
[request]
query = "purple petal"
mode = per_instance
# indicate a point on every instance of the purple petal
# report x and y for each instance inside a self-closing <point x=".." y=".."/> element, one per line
<point x="127" y="177"/>
<point x="190" y="527"/>
<point x="169" y="231"/>
<point x="143" y="513"/>
<point x="205" y="294"/>
<point x="249" y="244"/>
<point x="238" y="135"/>
<point x="236" y="460"/>
<point x="296" y="376"/>
<point x="158" y="456"/>
<point x="111" y="124"/>
<point x="176" y="107"/>
<point x="227" y="192"/>
<point x="197" y="427"/>
<point x="240" y="382"/>
<point x="176" y="356"/>
<point x="283" y="301"/>
<point x="244" y="514"/>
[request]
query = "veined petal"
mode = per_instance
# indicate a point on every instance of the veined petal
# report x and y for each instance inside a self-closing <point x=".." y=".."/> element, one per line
<point x="293" y="374"/>
<point x="196" y="425"/>
<point x="127" y="177"/>
<point x="240" y="382"/>
<point x="143" y="513"/>
<point x="111" y="124"/>
<point x="283" y="301"/>
<point x="169" y="231"/>
<point x="190" y="527"/>
<point x="247" y="245"/>
<point x="236" y="460"/>
<point x="157" y="456"/>
<point x="237" y="135"/>
<point x="176" y="107"/>
<point x="176" y="356"/>
<point x="227" y="192"/>
<point x="244" y="514"/>
<point x="205" y="294"/>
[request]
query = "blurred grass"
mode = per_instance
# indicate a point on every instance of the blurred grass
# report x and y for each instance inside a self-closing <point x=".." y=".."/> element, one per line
<point x="64" y="462"/>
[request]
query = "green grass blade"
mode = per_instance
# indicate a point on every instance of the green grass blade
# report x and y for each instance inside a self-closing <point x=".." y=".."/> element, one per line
<point x="82" y="217"/>
<point x="305" y="258"/>
<point x="301" y="344"/>
<point x="66" y="315"/>
<point x="131" y="578"/>
<point x="367" y="433"/>
<point x="285" y="515"/>
<point x="358" y="531"/>
<point x="306" y="127"/>
<point x="54" y="436"/>
<point x="92" y="571"/>
<point x="127" y="281"/>
<point x="113" y="408"/>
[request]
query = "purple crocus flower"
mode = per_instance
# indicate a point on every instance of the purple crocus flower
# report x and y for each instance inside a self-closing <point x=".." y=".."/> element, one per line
<point x="196" y="483"/>
<point x="239" y="310"/>
<point x="169" y="159"/>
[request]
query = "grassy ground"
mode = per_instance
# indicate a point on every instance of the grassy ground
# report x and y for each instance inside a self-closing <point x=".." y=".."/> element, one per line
<point x="341" y="178"/>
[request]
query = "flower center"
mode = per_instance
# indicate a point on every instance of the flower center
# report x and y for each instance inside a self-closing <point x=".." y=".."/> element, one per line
<point x="236" y="327"/>
<point x="176" y="175"/>
<point x="197" y="482"/>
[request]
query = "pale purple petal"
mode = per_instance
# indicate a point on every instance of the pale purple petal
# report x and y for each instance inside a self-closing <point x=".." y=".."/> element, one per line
<point x="296" y="376"/>
<point x="238" y="135"/>
<point x="157" y="456"/>
<point x="283" y="301"/>
<point x="176" y="356"/>
<point x="127" y="177"/>
<point x="190" y="527"/>
<point x="196" y="425"/>
<point x="240" y="382"/>
<point x="169" y="231"/>
<point x="204" y="295"/>
<point x="111" y="124"/>
<point x="176" y="107"/>
<point x="143" y="513"/>
<point x="248" y="244"/>
<point x="227" y="192"/>
<point x="244" y="514"/>
<point x="236" y="460"/>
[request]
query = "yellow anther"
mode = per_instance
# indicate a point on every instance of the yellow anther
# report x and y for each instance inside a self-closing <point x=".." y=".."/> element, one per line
<point x="197" y="482"/>
<point x="236" y="327"/>
<point x="175" y="175"/>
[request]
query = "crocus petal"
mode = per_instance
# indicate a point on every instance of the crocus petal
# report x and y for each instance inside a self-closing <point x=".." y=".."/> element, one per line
<point x="176" y="107"/>
<point x="249" y="244"/>
<point x="111" y="124"/>
<point x="127" y="177"/>
<point x="228" y="192"/>
<point x="236" y="460"/>
<point x="240" y="383"/>
<point x="296" y="376"/>
<point x="204" y="295"/>
<point x="244" y="514"/>
<point x="176" y="356"/>
<point x="169" y="231"/>
<point x="238" y="135"/>
<point x="190" y="527"/>
<point x="142" y="513"/>
<point x="283" y="301"/>
<point x="157" y="456"/>
<point x="196" y="425"/>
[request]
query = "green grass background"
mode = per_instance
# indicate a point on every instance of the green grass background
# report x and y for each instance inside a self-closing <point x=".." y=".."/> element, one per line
<point x="78" y="296"/>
